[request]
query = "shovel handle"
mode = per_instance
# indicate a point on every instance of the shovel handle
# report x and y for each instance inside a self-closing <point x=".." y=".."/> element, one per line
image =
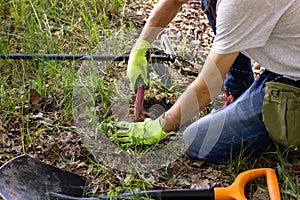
<point x="233" y="192"/>
<point x="236" y="189"/>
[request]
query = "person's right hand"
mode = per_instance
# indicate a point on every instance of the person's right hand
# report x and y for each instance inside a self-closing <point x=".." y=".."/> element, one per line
<point x="137" y="64"/>
<point x="140" y="133"/>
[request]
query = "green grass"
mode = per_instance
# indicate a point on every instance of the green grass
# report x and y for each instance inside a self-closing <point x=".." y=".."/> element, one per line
<point x="56" y="26"/>
<point x="77" y="26"/>
<point x="36" y="26"/>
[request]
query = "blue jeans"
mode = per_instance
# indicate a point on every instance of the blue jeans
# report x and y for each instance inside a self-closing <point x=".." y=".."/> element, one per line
<point x="240" y="76"/>
<point x="233" y="130"/>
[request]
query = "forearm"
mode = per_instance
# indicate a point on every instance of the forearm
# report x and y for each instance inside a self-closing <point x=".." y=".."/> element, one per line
<point x="206" y="86"/>
<point x="195" y="98"/>
<point x="162" y="14"/>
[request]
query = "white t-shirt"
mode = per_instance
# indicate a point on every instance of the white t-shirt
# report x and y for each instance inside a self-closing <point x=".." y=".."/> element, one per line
<point x="268" y="31"/>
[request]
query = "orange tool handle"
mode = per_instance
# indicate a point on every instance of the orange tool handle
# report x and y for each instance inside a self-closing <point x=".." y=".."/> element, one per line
<point x="236" y="189"/>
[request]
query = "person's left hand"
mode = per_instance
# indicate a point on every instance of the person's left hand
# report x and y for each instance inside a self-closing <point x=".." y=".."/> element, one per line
<point x="137" y="64"/>
<point x="147" y="132"/>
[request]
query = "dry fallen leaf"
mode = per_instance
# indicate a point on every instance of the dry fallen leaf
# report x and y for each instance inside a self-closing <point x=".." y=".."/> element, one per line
<point x="35" y="97"/>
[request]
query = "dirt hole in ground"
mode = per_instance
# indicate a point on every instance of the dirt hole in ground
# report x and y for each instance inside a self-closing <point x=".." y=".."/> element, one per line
<point x="167" y="80"/>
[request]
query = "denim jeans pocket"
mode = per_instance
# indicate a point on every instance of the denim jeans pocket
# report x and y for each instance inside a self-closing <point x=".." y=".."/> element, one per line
<point x="281" y="113"/>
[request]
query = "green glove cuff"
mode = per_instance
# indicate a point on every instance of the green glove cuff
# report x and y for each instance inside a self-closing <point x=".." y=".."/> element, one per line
<point x="141" y="46"/>
<point x="154" y="126"/>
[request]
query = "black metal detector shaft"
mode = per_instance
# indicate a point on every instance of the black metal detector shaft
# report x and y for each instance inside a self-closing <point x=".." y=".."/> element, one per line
<point x="97" y="57"/>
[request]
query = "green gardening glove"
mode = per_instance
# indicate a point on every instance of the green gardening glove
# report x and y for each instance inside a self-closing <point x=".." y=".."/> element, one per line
<point x="147" y="132"/>
<point x="137" y="63"/>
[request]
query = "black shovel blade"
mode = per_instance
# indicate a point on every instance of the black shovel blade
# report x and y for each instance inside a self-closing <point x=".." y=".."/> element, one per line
<point x="26" y="178"/>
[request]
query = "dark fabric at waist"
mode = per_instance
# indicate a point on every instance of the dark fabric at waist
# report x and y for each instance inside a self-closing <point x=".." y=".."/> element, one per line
<point x="287" y="81"/>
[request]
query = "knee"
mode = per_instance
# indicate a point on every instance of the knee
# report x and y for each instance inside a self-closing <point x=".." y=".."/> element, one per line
<point x="194" y="137"/>
<point x="202" y="140"/>
<point x="189" y="135"/>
